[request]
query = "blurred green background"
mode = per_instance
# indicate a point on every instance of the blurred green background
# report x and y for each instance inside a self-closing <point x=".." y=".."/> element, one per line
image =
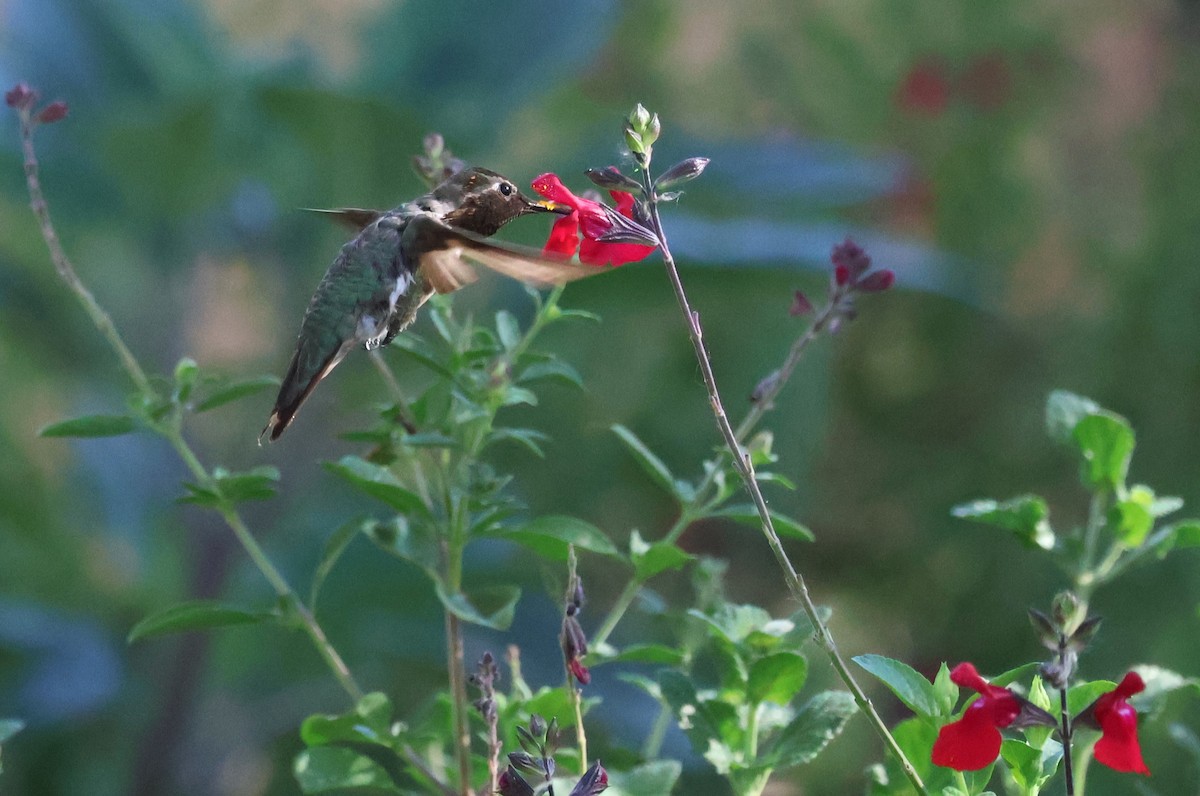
<point x="1030" y="170"/>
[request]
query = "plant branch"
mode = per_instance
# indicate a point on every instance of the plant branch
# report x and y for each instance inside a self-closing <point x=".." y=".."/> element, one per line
<point x="795" y="583"/>
<point x="171" y="432"/>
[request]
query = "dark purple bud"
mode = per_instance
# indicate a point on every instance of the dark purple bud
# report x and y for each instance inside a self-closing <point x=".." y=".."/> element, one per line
<point x="525" y="763"/>
<point x="574" y="642"/>
<point x="611" y="179"/>
<point x="513" y="784"/>
<point x="1046" y="631"/>
<point x="580" y="671"/>
<point x="800" y="305"/>
<point x="1082" y="637"/>
<point x="20" y="96"/>
<point x="851" y="255"/>
<point x="593" y="781"/>
<point x="578" y="596"/>
<point x="1031" y="715"/>
<point x="537" y="726"/>
<point x="878" y="281"/>
<point x="841" y="275"/>
<point x="55" y="111"/>
<point x="681" y="172"/>
<point x="765" y="387"/>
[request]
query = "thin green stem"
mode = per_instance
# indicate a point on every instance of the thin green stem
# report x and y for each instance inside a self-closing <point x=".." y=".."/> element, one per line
<point x="170" y="431"/>
<point x="658" y="733"/>
<point x="456" y="661"/>
<point x="795" y="583"/>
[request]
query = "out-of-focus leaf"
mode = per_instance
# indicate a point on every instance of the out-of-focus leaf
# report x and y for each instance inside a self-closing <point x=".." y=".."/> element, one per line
<point x="9" y="728"/>
<point x="1026" y="516"/>
<point x="785" y="526"/>
<point x="492" y="607"/>
<point x="325" y="769"/>
<point x="334" y="547"/>
<point x="90" y="426"/>
<point x="776" y="678"/>
<point x="508" y="330"/>
<point x="369" y="722"/>
<point x="234" y="391"/>
<point x="378" y="482"/>
<point x="1064" y="410"/>
<point x="817" y="723"/>
<point x="650" y="463"/>
<point x="549" y="537"/>
<point x="1106" y="443"/>
<point x="735" y="622"/>
<point x="412" y="542"/>
<point x="655" y="778"/>
<point x="639" y="653"/>
<point x="554" y="368"/>
<point x="651" y="559"/>
<point x="234" y="487"/>
<point x="195" y="615"/>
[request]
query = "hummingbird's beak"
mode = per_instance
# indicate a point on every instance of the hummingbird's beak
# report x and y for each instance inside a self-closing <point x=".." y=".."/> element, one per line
<point x="546" y="206"/>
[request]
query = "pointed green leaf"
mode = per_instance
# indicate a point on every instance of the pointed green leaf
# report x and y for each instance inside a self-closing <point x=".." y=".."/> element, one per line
<point x="1106" y="443"/>
<point x="508" y="330"/>
<point x="817" y="723"/>
<point x="257" y="483"/>
<point x="334" y="547"/>
<point x="555" y="369"/>
<point x="653" y="465"/>
<point x="326" y="769"/>
<point x="378" y="482"/>
<point x="549" y="537"/>
<point x="1064" y="410"/>
<point x="735" y="622"/>
<point x="514" y="395"/>
<point x="639" y="653"/>
<point x="945" y="692"/>
<point x="786" y="527"/>
<point x="235" y="391"/>
<point x="651" y="559"/>
<point x="1026" y="516"/>
<point x="1131" y="522"/>
<point x="492" y="606"/>
<point x="776" y="678"/>
<point x="526" y="437"/>
<point x="655" y="778"/>
<point x="90" y="426"/>
<point x="195" y="615"/>
<point x="412" y="542"/>
<point x="904" y="681"/>
<point x="369" y="722"/>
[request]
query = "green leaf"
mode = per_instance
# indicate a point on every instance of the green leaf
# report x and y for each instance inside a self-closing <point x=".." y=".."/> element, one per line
<point x="323" y="769"/>
<point x="1131" y="522"/>
<point x="817" y="723"/>
<point x="1031" y="767"/>
<point x="429" y="439"/>
<point x="551" y="369"/>
<point x="90" y="426"/>
<point x="777" y="678"/>
<point x="235" y="391"/>
<point x="412" y="542"/>
<point x="735" y="622"/>
<point x="369" y="722"/>
<point x="378" y="482"/>
<point x="653" y="465"/>
<point x="639" y="653"/>
<point x="654" y="778"/>
<point x="1106" y="443"/>
<point x="508" y="330"/>
<point x="702" y="725"/>
<point x="549" y="537"/>
<point x="1064" y="410"/>
<point x="1081" y="695"/>
<point x="651" y="559"/>
<point x="334" y="547"/>
<point x="1026" y="516"/>
<point x="1160" y="683"/>
<point x="904" y="681"/>
<point x="526" y="437"/>
<point x="1182" y="534"/>
<point x="493" y="606"/>
<point x="195" y="615"/>
<point x="786" y="527"/>
<point x="514" y="395"/>
<point x="255" y="484"/>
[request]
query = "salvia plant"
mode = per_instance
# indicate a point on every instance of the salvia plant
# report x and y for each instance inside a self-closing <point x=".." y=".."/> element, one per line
<point x="732" y="676"/>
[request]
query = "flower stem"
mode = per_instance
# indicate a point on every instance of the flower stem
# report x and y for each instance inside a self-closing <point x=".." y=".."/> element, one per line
<point x="795" y="583"/>
<point x="171" y="432"/>
<point x="1068" y="774"/>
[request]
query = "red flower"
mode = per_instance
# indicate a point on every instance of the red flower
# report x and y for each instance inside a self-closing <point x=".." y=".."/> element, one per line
<point x="973" y="742"/>
<point x="925" y="89"/>
<point x="589" y="219"/>
<point x="1118" y="747"/>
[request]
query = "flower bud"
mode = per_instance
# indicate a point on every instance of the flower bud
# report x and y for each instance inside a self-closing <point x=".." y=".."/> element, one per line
<point x="610" y="178"/>
<point x="841" y="275"/>
<point x="639" y="119"/>
<point x="20" y="96"/>
<point x="511" y="783"/>
<point x="800" y="305"/>
<point x="633" y="140"/>
<point x="681" y="172"/>
<point x="850" y="254"/>
<point x="1066" y="612"/>
<point x="878" y="281"/>
<point x="55" y="111"/>
<point x="594" y="781"/>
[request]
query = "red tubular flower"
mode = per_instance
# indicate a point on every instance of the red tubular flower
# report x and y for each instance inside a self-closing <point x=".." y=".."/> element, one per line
<point x="1118" y="747"/>
<point x="973" y="742"/>
<point x="589" y="219"/>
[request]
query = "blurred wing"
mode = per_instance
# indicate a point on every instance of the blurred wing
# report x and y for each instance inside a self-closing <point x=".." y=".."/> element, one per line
<point x="356" y="218"/>
<point x="447" y="251"/>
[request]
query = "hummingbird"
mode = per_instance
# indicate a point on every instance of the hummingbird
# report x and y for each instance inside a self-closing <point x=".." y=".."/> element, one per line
<point x="398" y="259"/>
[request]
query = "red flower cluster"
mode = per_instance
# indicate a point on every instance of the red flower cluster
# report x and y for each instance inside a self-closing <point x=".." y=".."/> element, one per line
<point x="587" y="222"/>
<point x="973" y="742"/>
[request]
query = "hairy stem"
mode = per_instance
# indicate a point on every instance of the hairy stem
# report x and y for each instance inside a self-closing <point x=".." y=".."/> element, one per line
<point x="795" y="583"/>
<point x="133" y="369"/>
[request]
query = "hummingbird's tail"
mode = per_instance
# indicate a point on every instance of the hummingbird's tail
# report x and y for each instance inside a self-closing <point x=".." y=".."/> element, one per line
<point x="309" y="366"/>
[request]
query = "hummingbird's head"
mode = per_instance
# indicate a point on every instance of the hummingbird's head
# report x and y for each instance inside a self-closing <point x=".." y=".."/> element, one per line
<point x="483" y="201"/>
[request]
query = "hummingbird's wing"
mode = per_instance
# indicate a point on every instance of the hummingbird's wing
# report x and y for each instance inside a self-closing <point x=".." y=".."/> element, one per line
<point x="356" y="218"/>
<point x="446" y="252"/>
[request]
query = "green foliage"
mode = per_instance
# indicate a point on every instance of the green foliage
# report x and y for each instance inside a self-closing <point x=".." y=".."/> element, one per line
<point x="923" y="698"/>
<point x="196" y="615"/>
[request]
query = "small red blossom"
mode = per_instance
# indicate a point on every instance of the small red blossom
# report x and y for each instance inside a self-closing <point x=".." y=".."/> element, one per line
<point x="580" y="671"/>
<point x="587" y="222"/>
<point x="973" y="742"/>
<point x="925" y="89"/>
<point x="1118" y="747"/>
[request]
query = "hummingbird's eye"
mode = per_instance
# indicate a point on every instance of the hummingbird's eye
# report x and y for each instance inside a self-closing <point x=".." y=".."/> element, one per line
<point x="506" y="189"/>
